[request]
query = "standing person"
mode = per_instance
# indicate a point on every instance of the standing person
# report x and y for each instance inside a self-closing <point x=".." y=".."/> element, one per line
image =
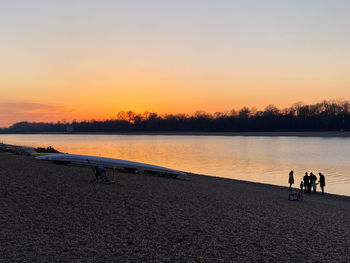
<point x="291" y="180"/>
<point x="301" y="186"/>
<point x="322" y="182"/>
<point x="313" y="180"/>
<point x="306" y="182"/>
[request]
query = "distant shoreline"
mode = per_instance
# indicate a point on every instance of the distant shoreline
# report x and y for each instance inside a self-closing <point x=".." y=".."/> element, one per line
<point x="263" y="134"/>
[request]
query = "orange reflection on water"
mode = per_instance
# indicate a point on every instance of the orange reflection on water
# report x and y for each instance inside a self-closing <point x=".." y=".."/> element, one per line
<point x="258" y="159"/>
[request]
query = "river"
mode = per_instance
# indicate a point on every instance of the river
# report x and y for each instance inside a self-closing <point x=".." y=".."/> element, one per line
<point x="252" y="158"/>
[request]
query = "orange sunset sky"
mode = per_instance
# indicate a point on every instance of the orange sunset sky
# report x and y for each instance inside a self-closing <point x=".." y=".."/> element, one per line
<point x="91" y="59"/>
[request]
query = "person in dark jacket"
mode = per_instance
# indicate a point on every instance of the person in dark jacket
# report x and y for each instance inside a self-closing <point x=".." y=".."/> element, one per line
<point x="313" y="180"/>
<point x="99" y="172"/>
<point x="291" y="180"/>
<point x="306" y="180"/>
<point x="322" y="182"/>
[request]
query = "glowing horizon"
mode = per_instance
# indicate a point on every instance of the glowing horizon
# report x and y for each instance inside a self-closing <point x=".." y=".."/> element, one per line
<point x="90" y="60"/>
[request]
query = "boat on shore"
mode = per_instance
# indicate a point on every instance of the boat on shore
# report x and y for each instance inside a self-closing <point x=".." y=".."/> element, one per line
<point x="106" y="162"/>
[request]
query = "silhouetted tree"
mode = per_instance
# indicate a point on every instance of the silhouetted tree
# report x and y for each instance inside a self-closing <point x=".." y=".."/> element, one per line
<point x="324" y="116"/>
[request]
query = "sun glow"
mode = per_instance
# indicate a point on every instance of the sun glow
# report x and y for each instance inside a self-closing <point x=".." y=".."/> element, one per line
<point x="93" y="60"/>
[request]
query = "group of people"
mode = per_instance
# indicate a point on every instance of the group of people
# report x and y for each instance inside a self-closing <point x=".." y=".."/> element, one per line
<point x="309" y="181"/>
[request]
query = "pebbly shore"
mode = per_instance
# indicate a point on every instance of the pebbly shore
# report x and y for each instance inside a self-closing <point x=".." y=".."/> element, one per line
<point x="51" y="213"/>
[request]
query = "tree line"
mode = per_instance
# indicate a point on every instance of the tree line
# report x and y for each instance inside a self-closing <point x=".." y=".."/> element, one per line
<point x="323" y="116"/>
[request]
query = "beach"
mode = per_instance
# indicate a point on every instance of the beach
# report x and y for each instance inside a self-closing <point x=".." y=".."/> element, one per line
<point x="51" y="213"/>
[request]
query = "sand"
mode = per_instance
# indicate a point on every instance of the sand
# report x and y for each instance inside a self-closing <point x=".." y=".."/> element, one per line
<point x="50" y="213"/>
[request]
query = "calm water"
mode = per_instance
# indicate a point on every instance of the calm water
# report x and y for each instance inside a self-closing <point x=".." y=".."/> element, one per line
<point x="258" y="159"/>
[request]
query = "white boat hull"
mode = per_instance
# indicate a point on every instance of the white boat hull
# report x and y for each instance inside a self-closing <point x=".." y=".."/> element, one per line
<point x="107" y="162"/>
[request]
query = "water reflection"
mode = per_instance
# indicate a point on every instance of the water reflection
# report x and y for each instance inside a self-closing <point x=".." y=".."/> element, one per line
<point x="259" y="159"/>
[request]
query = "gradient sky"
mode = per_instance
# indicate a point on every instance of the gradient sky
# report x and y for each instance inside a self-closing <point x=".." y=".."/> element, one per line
<point x="90" y="59"/>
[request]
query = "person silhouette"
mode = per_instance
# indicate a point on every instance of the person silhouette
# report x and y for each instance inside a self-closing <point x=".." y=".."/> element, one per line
<point x="313" y="180"/>
<point x="99" y="172"/>
<point x="322" y="182"/>
<point x="306" y="179"/>
<point x="291" y="180"/>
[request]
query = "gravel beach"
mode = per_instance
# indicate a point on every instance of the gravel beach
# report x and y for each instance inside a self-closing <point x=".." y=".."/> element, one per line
<point x="51" y="213"/>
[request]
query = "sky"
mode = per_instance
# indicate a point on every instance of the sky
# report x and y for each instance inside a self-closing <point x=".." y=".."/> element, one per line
<point x="84" y="59"/>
